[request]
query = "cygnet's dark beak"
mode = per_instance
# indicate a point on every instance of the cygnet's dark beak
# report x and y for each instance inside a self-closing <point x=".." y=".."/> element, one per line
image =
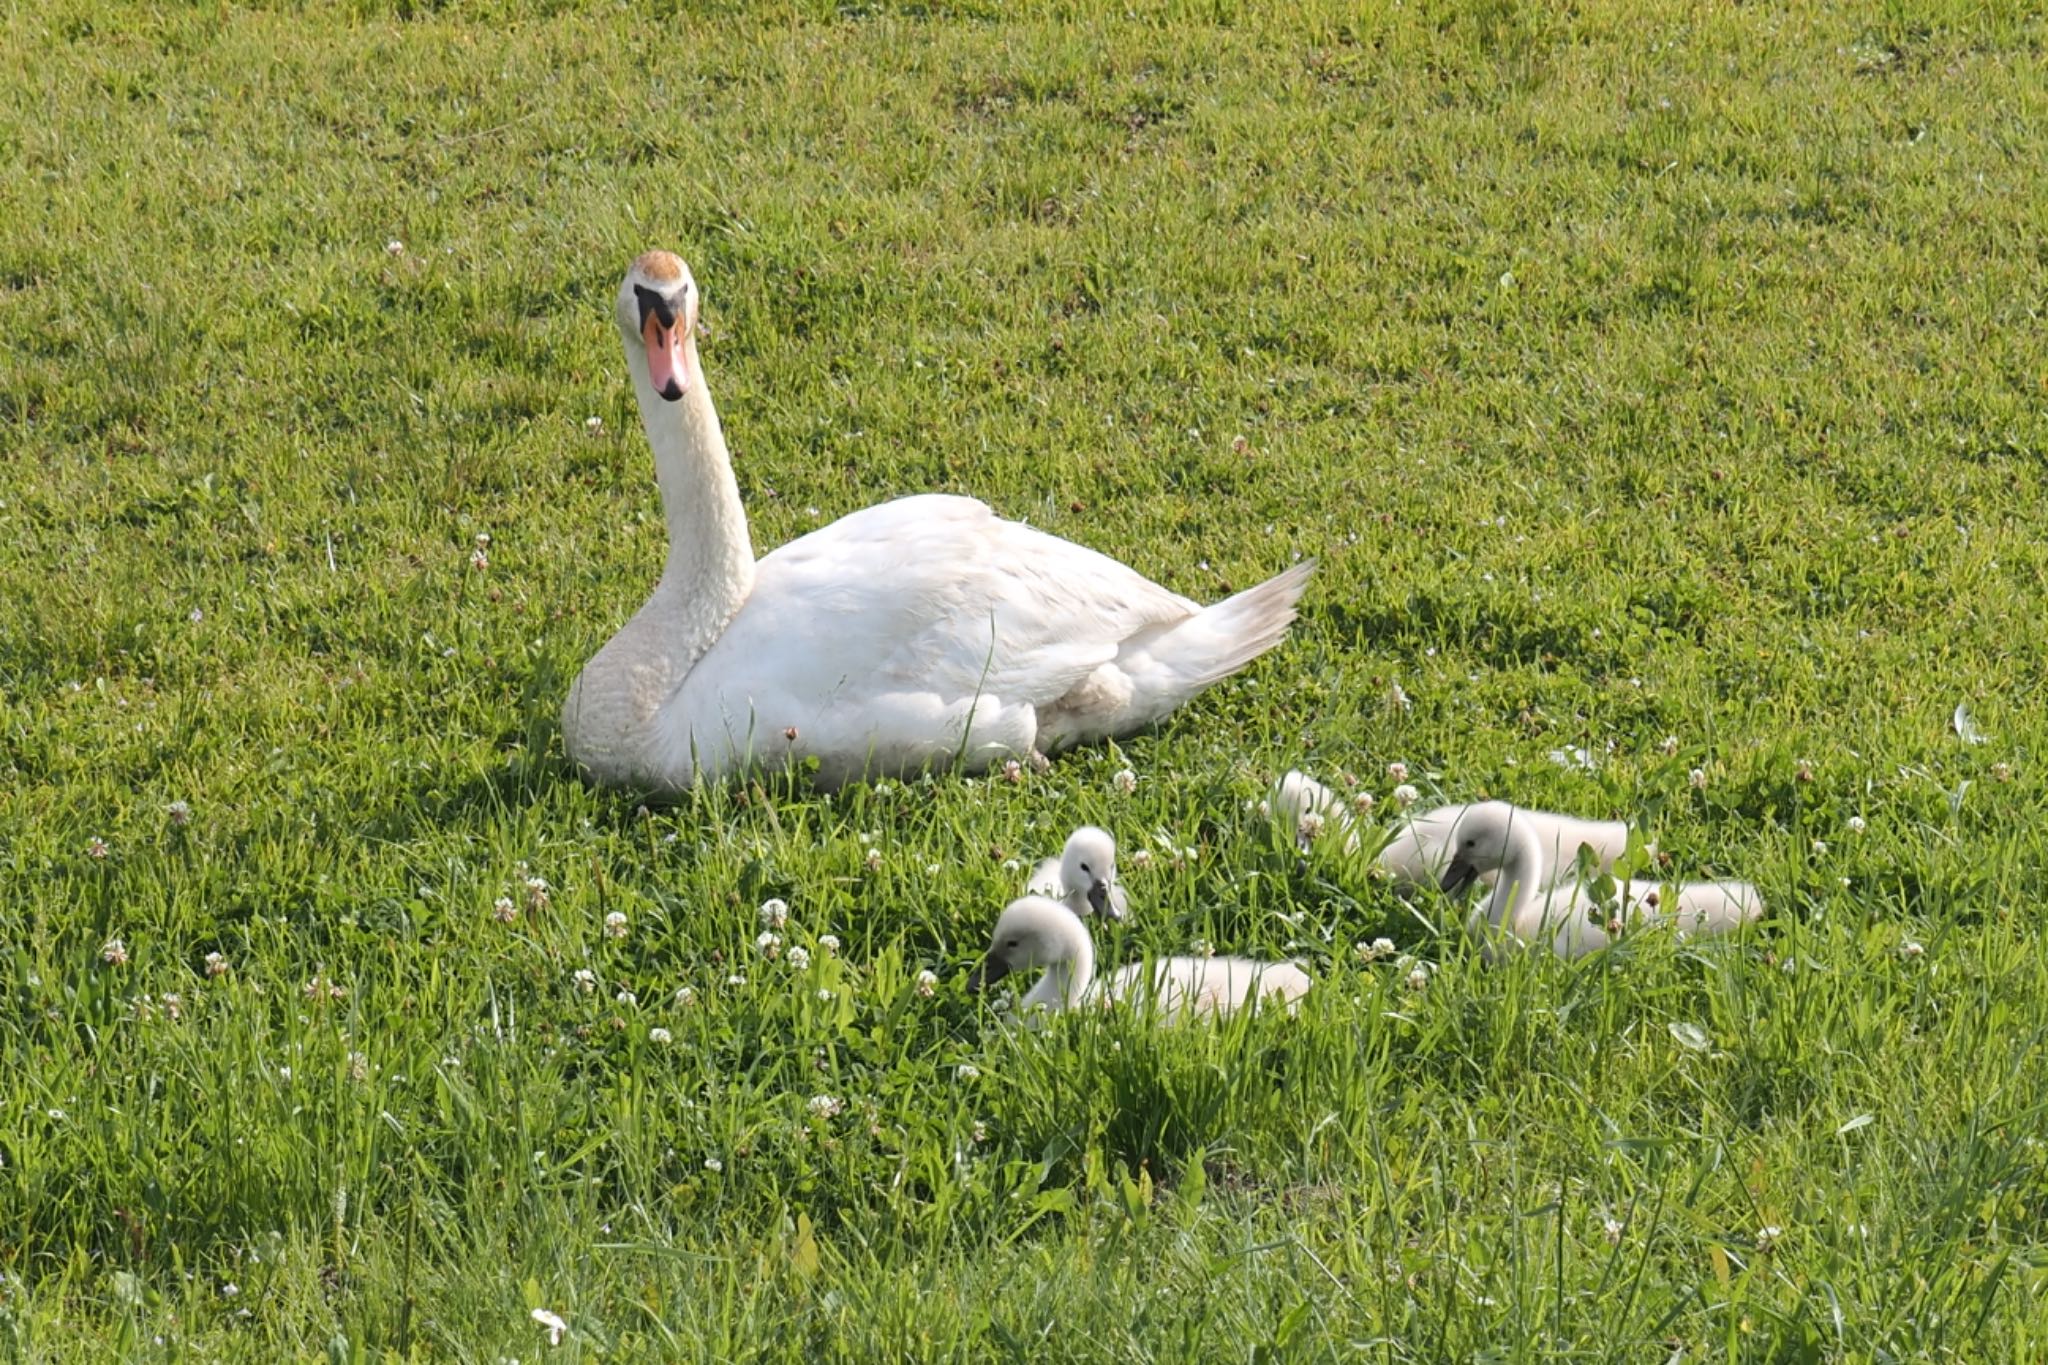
<point x="1457" y="876"/>
<point x="991" y="970"/>
<point x="1098" y="896"/>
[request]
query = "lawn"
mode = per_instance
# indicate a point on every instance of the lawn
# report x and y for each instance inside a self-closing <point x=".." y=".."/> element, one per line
<point x="1661" y="389"/>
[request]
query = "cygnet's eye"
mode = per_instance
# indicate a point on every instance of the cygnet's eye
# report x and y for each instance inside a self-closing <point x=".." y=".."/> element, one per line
<point x="1012" y="943"/>
<point x="1084" y="867"/>
<point x="1472" y="843"/>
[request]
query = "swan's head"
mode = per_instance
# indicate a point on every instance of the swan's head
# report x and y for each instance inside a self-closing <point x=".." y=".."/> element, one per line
<point x="1485" y="838"/>
<point x="657" y="313"/>
<point x="1297" y="794"/>
<point x="1031" y="932"/>
<point x="1088" y="865"/>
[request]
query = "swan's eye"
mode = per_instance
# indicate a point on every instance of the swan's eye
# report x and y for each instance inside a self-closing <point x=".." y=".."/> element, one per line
<point x="1471" y="843"/>
<point x="1084" y="867"/>
<point x="1011" y="944"/>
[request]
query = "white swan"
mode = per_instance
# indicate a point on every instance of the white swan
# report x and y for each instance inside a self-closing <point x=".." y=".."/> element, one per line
<point x="1033" y="932"/>
<point x="1083" y="877"/>
<point x="1419" y="848"/>
<point x="918" y="632"/>
<point x="1528" y="908"/>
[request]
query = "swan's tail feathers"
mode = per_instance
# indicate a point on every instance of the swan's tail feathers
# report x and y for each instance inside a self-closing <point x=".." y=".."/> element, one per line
<point x="1157" y="669"/>
<point x="1218" y="640"/>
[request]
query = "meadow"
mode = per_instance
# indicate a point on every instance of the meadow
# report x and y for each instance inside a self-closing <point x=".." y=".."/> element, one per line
<point x="1660" y="388"/>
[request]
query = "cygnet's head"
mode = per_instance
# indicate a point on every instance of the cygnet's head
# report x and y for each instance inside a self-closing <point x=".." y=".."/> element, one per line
<point x="1088" y="865"/>
<point x="657" y="314"/>
<point x="1482" y="841"/>
<point x="1031" y="932"/>
<point x="1297" y="795"/>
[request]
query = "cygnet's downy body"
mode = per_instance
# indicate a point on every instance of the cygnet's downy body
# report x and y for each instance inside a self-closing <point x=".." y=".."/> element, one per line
<point x="1083" y="877"/>
<point x="1419" y="848"/>
<point x="1529" y="906"/>
<point x="1037" y="932"/>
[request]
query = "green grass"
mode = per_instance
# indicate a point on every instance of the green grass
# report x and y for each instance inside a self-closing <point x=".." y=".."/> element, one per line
<point x="1633" y="371"/>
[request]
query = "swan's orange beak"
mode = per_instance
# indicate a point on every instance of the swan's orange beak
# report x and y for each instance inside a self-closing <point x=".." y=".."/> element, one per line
<point x="668" y="365"/>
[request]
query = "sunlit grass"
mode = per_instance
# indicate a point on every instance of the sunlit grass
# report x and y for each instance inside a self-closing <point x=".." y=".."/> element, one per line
<point x="1631" y="373"/>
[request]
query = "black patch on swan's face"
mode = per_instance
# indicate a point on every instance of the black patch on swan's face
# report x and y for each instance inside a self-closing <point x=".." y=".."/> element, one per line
<point x="654" y="303"/>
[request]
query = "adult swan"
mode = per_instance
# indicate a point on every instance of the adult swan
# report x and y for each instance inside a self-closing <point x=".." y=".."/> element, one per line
<point x="924" y="631"/>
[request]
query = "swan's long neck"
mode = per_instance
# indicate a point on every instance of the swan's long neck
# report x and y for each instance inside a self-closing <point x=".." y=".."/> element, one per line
<point x="1520" y="876"/>
<point x="710" y="567"/>
<point x="1070" y="972"/>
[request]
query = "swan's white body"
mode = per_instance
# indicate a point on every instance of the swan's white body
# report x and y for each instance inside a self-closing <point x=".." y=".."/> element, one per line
<point x="1034" y="931"/>
<point x="1083" y="878"/>
<point x="919" y="632"/>
<point x="1527" y="907"/>
<point x="1419" y="849"/>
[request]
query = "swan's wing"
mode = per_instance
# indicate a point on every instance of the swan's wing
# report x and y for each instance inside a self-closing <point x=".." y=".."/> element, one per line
<point x="1045" y="880"/>
<point x="944" y="596"/>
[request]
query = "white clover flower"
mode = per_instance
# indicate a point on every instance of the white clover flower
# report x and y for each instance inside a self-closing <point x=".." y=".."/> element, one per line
<point x="770" y="945"/>
<point x="1820" y="846"/>
<point x="615" y="924"/>
<point x="114" y="953"/>
<point x="1611" y="1229"/>
<point x="2001" y="772"/>
<point x="932" y="869"/>
<point x="830" y="943"/>
<point x="1013" y="771"/>
<point x="713" y="1165"/>
<point x="216" y="964"/>
<point x="736" y="979"/>
<point x="1912" y="948"/>
<point x="1309" y="826"/>
<point x="1362" y="803"/>
<point x="1857" y="824"/>
<point x="1767" y="1239"/>
<point x="1670" y="746"/>
<point x="1802" y="771"/>
<point x="96" y="847"/>
<point x="966" y="1071"/>
<point x="1405" y="795"/>
<point x="1012" y="865"/>
<point x="585" y="979"/>
<point x="626" y="998"/>
<point x="1138" y="858"/>
<point x="552" y="1324"/>
<point x="483" y="542"/>
<point x="1373" y="951"/>
<point x="824" y="1106"/>
<point x="685" y="996"/>
<point x="195" y="616"/>
<point x="799" y="957"/>
<point x="1201" y="947"/>
<point x="394" y="247"/>
<point x="594" y="424"/>
<point x="774" y="913"/>
<point x="660" y="1036"/>
<point x="503" y="910"/>
<point x="1698" y="778"/>
<point x="180" y="813"/>
<point x="825" y="997"/>
<point x="977" y="1132"/>
<point x="927" y="983"/>
<point x="358" y="1067"/>
<point x="1397" y="772"/>
<point x="174" y="1005"/>
<point x="537" y="893"/>
<point x="230" y="1289"/>
<point x="1125" y="781"/>
<point x="874" y="860"/>
<point x="478" y="560"/>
